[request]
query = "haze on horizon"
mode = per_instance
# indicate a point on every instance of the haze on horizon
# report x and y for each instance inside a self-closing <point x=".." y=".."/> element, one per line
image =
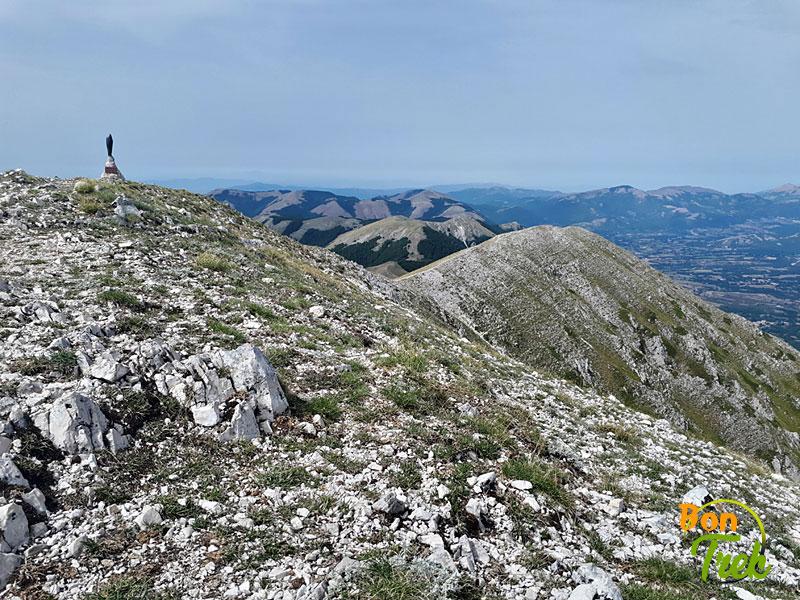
<point x="567" y="94"/>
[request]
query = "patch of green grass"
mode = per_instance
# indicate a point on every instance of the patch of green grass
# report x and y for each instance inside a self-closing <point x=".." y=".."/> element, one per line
<point x="120" y="298"/>
<point x="85" y="186"/>
<point x="409" y="477"/>
<point x="295" y="303"/>
<point x="172" y="509"/>
<point x="353" y="382"/>
<point x="259" y="310"/>
<point x="523" y="518"/>
<point x="417" y="397"/>
<point x="135" y="324"/>
<point x="212" y="262"/>
<point x="218" y="326"/>
<point x="621" y="433"/>
<point x="458" y="448"/>
<point x="344" y="463"/>
<point x="546" y="480"/>
<point x="326" y="406"/>
<point x="635" y="591"/>
<point x="666" y="571"/>
<point x="281" y="357"/>
<point x="89" y="205"/>
<point x="285" y="477"/>
<point x="61" y="362"/>
<point x="130" y="588"/>
<point x="383" y="580"/>
<point x="597" y="545"/>
<point x="414" y="362"/>
<point x="135" y="408"/>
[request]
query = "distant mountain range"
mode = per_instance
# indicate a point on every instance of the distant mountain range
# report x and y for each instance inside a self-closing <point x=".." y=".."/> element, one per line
<point x="624" y="208"/>
<point x="402" y="231"/>
<point x="739" y="251"/>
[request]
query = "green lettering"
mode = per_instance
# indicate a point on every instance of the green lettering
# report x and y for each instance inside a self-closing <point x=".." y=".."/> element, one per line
<point x="737" y="568"/>
<point x="713" y="539"/>
<point x="757" y="560"/>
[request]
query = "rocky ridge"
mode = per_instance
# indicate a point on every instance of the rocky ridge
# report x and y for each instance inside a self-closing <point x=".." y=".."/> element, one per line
<point x="196" y="407"/>
<point x="572" y="303"/>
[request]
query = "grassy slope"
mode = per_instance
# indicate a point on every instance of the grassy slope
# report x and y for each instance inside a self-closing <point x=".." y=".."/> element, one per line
<point x="554" y="296"/>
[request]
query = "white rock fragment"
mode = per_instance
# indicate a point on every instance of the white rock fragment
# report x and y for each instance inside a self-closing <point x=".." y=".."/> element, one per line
<point x="149" y="517"/>
<point x="36" y="500"/>
<point x="595" y="583"/>
<point x="205" y="382"/>
<point x="10" y="474"/>
<point x="13" y="527"/>
<point x="521" y="484"/>
<point x="698" y="496"/>
<point x="8" y="564"/>
<point x="391" y="505"/>
<point x="615" y="507"/>
<point x="210" y="506"/>
<point x="317" y="311"/>
<point x="74" y="424"/>
<point x="106" y="368"/>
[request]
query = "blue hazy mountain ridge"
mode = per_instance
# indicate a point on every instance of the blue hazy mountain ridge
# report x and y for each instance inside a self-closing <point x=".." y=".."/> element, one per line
<point x="622" y="208"/>
<point x="309" y="204"/>
<point x="394" y="233"/>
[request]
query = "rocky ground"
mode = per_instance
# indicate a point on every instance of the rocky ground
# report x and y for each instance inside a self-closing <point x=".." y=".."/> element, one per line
<point x="195" y="407"/>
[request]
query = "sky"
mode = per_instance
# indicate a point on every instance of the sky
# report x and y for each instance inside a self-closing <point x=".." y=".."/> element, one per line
<point x="562" y="94"/>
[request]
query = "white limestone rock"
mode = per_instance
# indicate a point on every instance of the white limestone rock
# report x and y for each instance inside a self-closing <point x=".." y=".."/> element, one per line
<point x="206" y="382"/>
<point x="150" y="516"/>
<point x="10" y="474"/>
<point x="36" y="500"/>
<point x="14" y="527"/>
<point x="8" y="564"/>
<point x="74" y="424"/>
<point x="107" y="368"/>
<point x="698" y="496"/>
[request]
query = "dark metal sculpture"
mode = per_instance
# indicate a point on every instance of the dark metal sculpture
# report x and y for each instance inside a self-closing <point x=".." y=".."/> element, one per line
<point x="109" y="144"/>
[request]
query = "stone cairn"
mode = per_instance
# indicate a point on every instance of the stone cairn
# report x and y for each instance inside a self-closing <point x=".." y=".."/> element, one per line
<point x="111" y="171"/>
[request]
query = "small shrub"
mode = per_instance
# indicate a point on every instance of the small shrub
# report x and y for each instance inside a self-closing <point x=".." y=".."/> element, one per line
<point x="621" y="433"/>
<point x="85" y="186"/>
<point x="219" y="327"/>
<point x="120" y="298"/>
<point x="281" y="357"/>
<point x="130" y="588"/>
<point x="212" y="262"/>
<point x="61" y="362"/>
<point x="284" y="477"/>
<point x="90" y="206"/>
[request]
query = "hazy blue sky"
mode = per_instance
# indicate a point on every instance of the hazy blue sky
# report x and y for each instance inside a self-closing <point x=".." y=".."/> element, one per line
<point x="559" y="94"/>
